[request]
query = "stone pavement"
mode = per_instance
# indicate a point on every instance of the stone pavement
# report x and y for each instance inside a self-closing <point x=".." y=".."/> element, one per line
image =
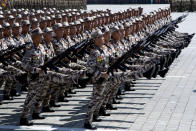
<point x="159" y="104"/>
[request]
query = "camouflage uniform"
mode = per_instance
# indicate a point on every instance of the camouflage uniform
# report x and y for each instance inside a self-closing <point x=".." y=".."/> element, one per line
<point x="32" y="60"/>
<point x="97" y="64"/>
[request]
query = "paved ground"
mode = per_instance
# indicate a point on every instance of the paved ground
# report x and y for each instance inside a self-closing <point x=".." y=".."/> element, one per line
<point x="156" y="105"/>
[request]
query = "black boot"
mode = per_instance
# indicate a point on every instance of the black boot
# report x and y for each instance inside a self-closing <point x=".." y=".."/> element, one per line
<point x="163" y="72"/>
<point x="131" y="89"/>
<point x="53" y="104"/>
<point x="25" y="122"/>
<point x="110" y="107"/>
<point x="102" y="112"/>
<point x="131" y="85"/>
<point x="71" y="92"/>
<point x="83" y="82"/>
<point x="62" y="99"/>
<point x="191" y="36"/>
<point x="89" y="126"/>
<point x="120" y="92"/>
<point x="66" y="95"/>
<point x="118" y="97"/>
<point x="7" y="97"/>
<point x="13" y="92"/>
<point x="156" y="71"/>
<point x="127" y="87"/>
<point x="24" y="88"/>
<point x="47" y="109"/>
<point x="37" y="116"/>
<point x="149" y="73"/>
<point x="115" y="101"/>
<point x="96" y="118"/>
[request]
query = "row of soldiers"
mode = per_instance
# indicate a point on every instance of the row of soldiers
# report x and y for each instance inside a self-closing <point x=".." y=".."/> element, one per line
<point x="50" y="32"/>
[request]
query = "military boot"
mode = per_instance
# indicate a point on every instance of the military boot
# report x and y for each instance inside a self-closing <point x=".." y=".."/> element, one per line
<point x="89" y="126"/>
<point x="96" y="118"/>
<point x="13" y="92"/>
<point x="156" y="71"/>
<point x="25" y="122"/>
<point x="47" y="109"/>
<point x="103" y="112"/>
<point x="7" y="97"/>
<point x="163" y="72"/>
<point x="71" y="91"/>
<point x="37" y="116"/>
<point x="62" y="99"/>
<point x="115" y="101"/>
<point x="67" y="95"/>
<point x="53" y="104"/>
<point x="110" y="107"/>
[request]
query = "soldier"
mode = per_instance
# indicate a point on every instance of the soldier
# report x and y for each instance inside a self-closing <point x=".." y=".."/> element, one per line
<point x="9" y="42"/>
<point x="42" y="23"/>
<point x="1" y="19"/>
<point x="25" y="31"/>
<point x="38" y="81"/>
<point x="11" y="19"/>
<point x="34" y="24"/>
<point x="16" y="31"/>
<point x="97" y="66"/>
<point x="3" y="46"/>
<point x="18" y="18"/>
<point x="47" y="43"/>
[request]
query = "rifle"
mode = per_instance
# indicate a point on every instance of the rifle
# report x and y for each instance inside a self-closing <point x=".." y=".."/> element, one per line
<point x="119" y="64"/>
<point x="8" y="53"/>
<point x="72" y="51"/>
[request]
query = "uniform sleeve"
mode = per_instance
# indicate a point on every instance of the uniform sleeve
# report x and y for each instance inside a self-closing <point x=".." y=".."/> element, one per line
<point x="27" y="63"/>
<point x="93" y="65"/>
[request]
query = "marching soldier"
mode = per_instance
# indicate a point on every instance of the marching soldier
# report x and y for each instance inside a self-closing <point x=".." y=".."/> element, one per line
<point x="119" y="34"/>
<point x="97" y="66"/>
<point x="25" y="31"/>
<point x="38" y="80"/>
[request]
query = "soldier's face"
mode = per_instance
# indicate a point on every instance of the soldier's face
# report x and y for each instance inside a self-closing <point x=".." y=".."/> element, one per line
<point x="127" y="31"/>
<point x="99" y="41"/>
<point x="34" y="25"/>
<point x="87" y="25"/>
<point x="42" y="25"/>
<point x="16" y="31"/>
<point x="73" y="30"/>
<point x="18" y="20"/>
<point x="66" y="31"/>
<point x="11" y="22"/>
<point x="48" y="37"/>
<point x="107" y="37"/>
<point x="37" y="39"/>
<point x="25" y="28"/>
<point x="78" y="28"/>
<point x="116" y="35"/>
<point x="8" y="31"/>
<point x="59" y="33"/>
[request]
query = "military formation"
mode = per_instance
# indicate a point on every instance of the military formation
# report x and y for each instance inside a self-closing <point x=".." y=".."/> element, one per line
<point x="107" y="36"/>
